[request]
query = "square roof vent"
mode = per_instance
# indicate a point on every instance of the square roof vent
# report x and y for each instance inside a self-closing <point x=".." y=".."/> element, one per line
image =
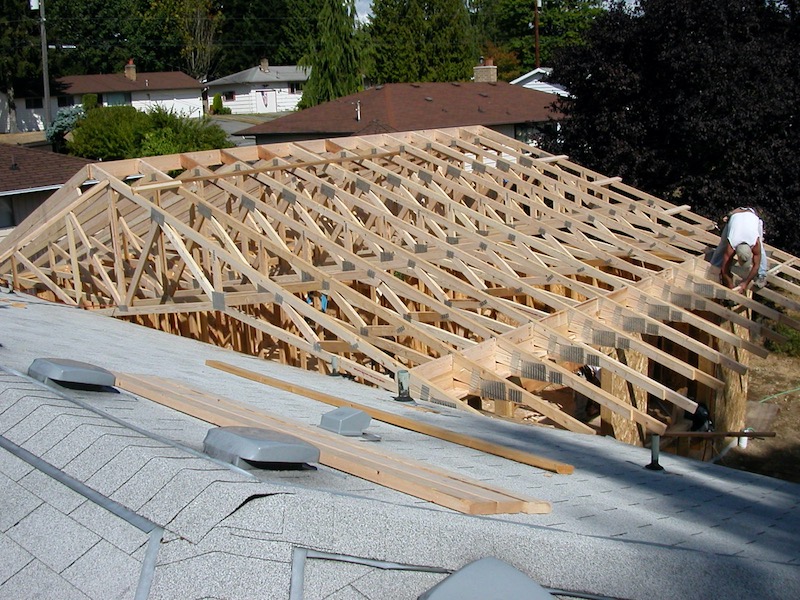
<point x="345" y="421"/>
<point x="255" y="447"/>
<point x="70" y="372"/>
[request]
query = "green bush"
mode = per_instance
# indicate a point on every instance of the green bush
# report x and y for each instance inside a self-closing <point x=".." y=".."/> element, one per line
<point x="791" y="347"/>
<point x="117" y="132"/>
<point x="89" y="101"/>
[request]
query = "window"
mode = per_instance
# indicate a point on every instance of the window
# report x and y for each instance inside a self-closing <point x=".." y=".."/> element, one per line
<point x="64" y="101"/>
<point x="33" y="103"/>
<point x="229" y="96"/>
<point x="295" y="87"/>
<point x="118" y="99"/>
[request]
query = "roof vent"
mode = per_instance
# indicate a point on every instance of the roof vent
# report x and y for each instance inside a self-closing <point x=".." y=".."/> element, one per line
<point x="486" y="578"/>
<point x="70" y="373"/>
<point x="255" y="447"/>
<point x="346" y="421"/>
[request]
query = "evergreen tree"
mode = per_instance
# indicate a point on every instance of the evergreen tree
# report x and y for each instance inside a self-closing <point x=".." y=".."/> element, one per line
<point x="450" y="45"/>
<point x="395" y="29"/>
<point x="695" y="101"/>
<point x="421" y="40"/>
<point x="333" y="59"/>
<point x="20" y="54"/>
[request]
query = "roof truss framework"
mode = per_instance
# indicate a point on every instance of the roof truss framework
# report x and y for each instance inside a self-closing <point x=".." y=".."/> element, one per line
<point x="483" y="267"/>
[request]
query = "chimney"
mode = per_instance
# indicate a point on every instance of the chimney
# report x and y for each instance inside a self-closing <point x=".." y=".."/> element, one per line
<point x="264" y="66"/>
<point x="130" y="70"/>
<point x="485" y="72"/>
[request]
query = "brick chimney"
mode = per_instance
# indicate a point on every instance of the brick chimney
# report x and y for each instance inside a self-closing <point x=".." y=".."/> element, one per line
<point x="130" y="70"/>
<point x="485" y="72"/>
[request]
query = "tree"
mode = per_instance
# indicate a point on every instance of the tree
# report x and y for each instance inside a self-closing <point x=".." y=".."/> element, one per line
<point x="449" y="41"/>
<point x="395" y="31"/>
<point x="20" y="54"/>
<point x="100" y="36"/>
<point x="509" y="24"/>
<point x="421" y="40"/>
<point x="191" y="26"/>
<point x="333" y="59"/>
<point x="695" y="101"/>
<point x="278" y="30"/>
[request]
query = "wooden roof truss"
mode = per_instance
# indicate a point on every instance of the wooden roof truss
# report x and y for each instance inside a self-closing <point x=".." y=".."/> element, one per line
<point x="486" y="269"/>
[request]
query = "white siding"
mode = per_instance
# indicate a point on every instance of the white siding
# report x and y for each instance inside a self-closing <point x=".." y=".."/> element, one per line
<point x="248" y="98"/>
<point x="185" y="102"/>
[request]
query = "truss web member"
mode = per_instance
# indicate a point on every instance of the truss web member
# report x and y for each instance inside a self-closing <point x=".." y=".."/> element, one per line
<point x="741" y="240"/>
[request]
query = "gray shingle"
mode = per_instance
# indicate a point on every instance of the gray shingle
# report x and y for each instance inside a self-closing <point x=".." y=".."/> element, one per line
<point x="105" y="573"/>
<point x="53" y="537"/>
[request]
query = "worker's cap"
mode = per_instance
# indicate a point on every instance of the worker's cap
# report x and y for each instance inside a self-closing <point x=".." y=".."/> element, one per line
<point x="744" y="254"/>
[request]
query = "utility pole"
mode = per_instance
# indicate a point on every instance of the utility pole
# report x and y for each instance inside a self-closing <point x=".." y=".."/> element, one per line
<point x="537" y="6"/>
<point x="45" y="69"/>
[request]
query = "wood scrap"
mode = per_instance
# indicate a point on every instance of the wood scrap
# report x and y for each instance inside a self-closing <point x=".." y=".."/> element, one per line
<point x="406" y="423"/>
<point x="405" y="475"/>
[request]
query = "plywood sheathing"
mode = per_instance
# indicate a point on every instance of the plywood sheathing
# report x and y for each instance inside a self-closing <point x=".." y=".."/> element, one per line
<point x="487" y="269"/>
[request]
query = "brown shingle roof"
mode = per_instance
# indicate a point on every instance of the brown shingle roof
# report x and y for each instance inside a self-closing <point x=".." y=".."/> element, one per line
<point x="412" y="106"/>
<point x="35" y="168"/>
<point x="117" y="82"/>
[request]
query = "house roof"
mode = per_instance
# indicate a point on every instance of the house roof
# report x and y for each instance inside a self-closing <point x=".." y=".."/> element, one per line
<point x="414" y="106"/>
<point x="272" y="74"/>
<point x="533" y="80"/>
<point x="27" y="169"/>
<point x="118" y="82"/>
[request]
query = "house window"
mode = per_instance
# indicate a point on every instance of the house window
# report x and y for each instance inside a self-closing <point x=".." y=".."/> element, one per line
<point x="229" y="96"/>
<point x="33" y="103"/>
<point x="118" y="99"/>
<point x="295" y="87"/>
<point x="64" y="101"/>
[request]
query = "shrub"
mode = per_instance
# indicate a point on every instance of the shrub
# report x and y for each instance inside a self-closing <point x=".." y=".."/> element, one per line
<point x="89" y="101"/>
<point x="116" y="132"/>
<point x="791" y="347"/>
<point x="66" y="120"/>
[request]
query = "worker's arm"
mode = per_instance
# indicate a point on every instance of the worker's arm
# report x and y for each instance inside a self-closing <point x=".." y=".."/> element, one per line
<point x="725" y="275"/>
<point x="742" y="287"/>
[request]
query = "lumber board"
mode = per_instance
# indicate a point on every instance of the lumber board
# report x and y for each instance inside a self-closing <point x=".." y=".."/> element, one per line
<point x="405" y="475"/>
<point x="404" y="422"/>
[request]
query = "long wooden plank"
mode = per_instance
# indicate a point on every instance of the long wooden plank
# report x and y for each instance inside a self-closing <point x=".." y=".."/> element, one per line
<point x="404" y="475"/>
<point x="404" y="422"/>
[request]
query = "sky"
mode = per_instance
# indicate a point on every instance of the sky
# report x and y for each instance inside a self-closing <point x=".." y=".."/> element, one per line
<point x="363" y="8"/>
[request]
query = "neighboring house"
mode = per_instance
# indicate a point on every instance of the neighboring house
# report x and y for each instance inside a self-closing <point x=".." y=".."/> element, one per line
<point x="511" y="110"/>
<point x="28" y="177"/>
<point x="173" y="90"/>
<point x="261" y="89"/>
<point x="535" y="80"/>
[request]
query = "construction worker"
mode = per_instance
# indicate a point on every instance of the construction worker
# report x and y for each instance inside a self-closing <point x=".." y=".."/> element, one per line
<point x="741" y="241"/>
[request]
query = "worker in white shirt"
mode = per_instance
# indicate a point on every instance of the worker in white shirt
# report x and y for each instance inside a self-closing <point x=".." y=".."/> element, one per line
<point x="741" y="240"/>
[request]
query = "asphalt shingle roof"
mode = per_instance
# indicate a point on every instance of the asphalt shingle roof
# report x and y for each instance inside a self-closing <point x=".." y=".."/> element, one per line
<point x="26" y="168"/>
<point x="696" y="530"/>
<point x="118" y="82"/>
<point x="412" y="106"/>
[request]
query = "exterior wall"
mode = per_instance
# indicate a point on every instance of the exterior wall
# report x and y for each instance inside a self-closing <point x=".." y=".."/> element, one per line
<point x="248" y="98"/>
<point x="185" y="102"/>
